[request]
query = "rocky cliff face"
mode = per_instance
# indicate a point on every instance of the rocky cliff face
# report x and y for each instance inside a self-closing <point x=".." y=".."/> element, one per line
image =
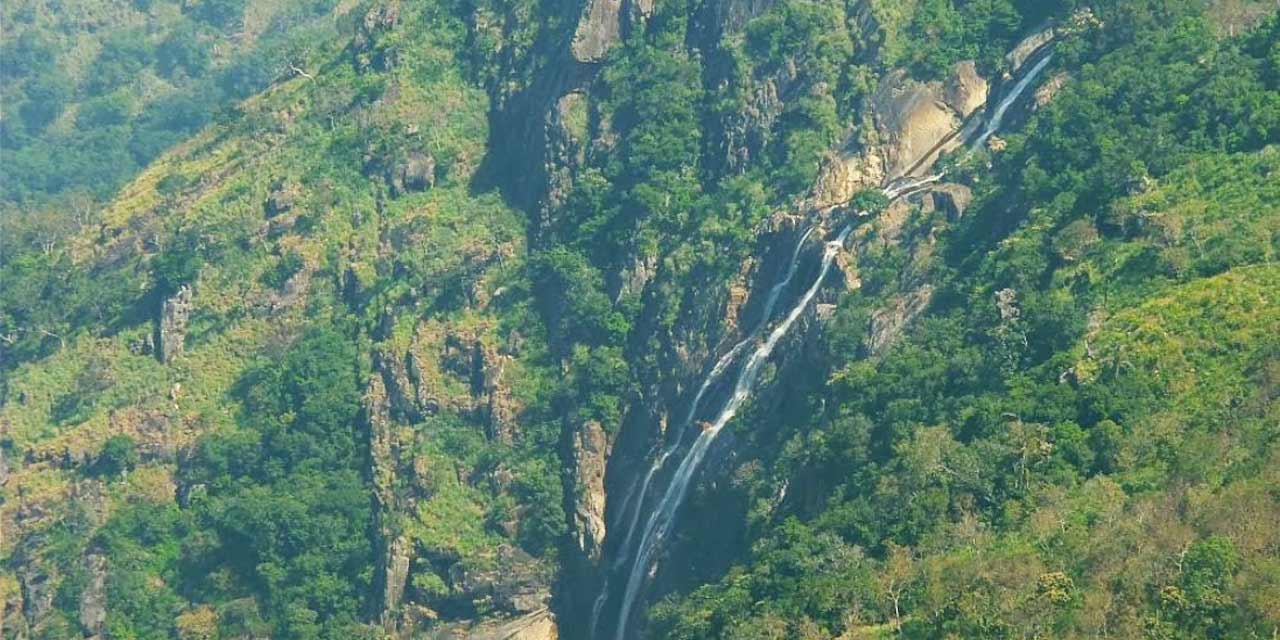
<point x="93" y="601"/>
<point x="171" y="328"/>
<point x="465" y="364"/>
<point x="915" y="123"/>
<point x="452" y="371"/>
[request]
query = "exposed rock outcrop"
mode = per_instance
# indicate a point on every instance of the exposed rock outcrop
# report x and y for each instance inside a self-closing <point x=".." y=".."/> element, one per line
<point x="501" y="407"/>
<point x="918" y="120"/>
<point x="283" y="197"/>
<point x="952" y="199"/>
<point x="888" y="322"/>
<point x="395" y="552"/>
<point x="539" y="625"/>
<point x="598" y="30"/>
<point x="398" y="558"/>
<point x="416" y="172"/>
<point x="452" y="370"/>
<point x="965" y="91"/>
<point x="733" y="15"/>
<point x="515" y="583"/>
<point x="590" y="451"/>
<point x="568" y="130"/>
<point x="366" y="48"/>
<point x="1046" y="92"/>
<point x="915" y="123"/>
<point x="93" y="600"/>
<point x="1028" y="47"/>
<point x="171" y="332"/>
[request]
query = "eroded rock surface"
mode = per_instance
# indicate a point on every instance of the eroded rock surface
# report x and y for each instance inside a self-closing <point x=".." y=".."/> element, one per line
<point x="539" y="625"/>
<point x="93" y="601"/>
<point x="915" y="123"/>
<point x="598" y="30"/>
<point x="590" y="454"/>
<point x="175" y="313"/>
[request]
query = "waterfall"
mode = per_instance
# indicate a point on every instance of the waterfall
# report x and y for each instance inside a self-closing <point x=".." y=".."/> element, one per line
<point x="997" y="117"/>
<point x="716" y="371"/>
<point x="658" y="525"/>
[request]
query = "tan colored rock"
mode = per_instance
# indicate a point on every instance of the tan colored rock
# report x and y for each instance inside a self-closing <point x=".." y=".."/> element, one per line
<point x="500" y="404"/>
<point x="918" y="121"/>
<point x="395" y="576"/>
<point x="913" y="118"/>
<point x="733" y="305"/>
<point x="598" y="30"/>
<point x="1046" y="92"/>
<point x="841" y="177"/>
<point x="172" y="330"/>
<point x="891" y="221"/>
<point x="1029" y="45"/>
<point x="539" y="625"/>
<point x="952" y="199"/>
<point x="93" y="601"/>
<point x="966" y="91"/>
<point x="591" y="450"/>
<point x="888" y="323"/>
<point x="847" y="265"/>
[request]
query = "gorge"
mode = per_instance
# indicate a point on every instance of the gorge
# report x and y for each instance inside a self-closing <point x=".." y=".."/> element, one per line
<point x="604" y="319"/>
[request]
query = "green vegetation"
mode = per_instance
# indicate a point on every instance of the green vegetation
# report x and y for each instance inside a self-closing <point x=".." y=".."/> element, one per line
<point x="1064" y="443"/>
<point x="274" y="327"/>
<point x="232" y="489"/>
<point x="95" y="105"/>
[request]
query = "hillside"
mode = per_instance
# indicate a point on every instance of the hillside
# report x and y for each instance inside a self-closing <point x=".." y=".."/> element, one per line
<point x="794" y="319"/>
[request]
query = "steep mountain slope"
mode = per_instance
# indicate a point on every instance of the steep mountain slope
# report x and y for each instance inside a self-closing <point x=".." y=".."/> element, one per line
<point x="286" y="291"/>
<point x="391" y="347"/>
<point x="94" y="90"/>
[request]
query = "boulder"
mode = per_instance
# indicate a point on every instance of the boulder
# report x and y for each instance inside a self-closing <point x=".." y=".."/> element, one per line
<point x="416" y="172"/>
<point x="952" y="199"/>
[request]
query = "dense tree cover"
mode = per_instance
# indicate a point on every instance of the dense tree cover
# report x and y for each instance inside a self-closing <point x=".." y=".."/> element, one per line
<point x="90" y="127"/>
<point x="231" y="491"/>
<point x="1077" y="439"/>
<point x="278" y="511"/>
<point x="1064" y="444"/>
<point x="679" y="189"/>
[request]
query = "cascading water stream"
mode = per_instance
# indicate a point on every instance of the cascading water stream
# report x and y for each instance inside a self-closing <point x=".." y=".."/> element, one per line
<point x="659" y="522"/>
<point x="712" y="376"/>
<point x="721" y="365"/>
<point x="997" y="117"/>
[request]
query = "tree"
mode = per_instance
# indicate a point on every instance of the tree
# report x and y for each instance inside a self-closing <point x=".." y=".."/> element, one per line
<point x="869" y="202"/>
<point x="200" y="623"/>
<point x="895" y="578"/>
<point x="119" y="454"/>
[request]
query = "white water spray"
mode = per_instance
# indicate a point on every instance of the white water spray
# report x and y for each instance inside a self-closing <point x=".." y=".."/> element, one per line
<point x="659" y="523"/>
<point x="997" y="117"/>
<point x="720" y="367"/>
